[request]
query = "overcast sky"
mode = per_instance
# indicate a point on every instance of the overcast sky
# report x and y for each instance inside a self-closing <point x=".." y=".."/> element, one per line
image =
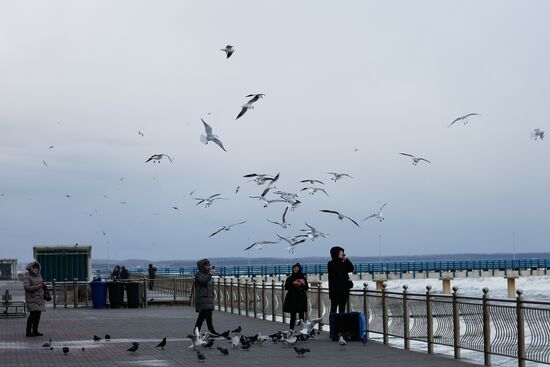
<point x="379" y="77"/>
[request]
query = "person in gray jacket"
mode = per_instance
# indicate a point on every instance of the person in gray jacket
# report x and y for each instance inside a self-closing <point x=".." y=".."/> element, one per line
<point x="34" y="297"/>
<point x="204" y="295"/>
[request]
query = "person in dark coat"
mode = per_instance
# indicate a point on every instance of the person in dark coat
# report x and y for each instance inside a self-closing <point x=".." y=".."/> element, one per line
<point x="339" y="282"/>
<point x="34" y="297"/>
<point x="296" y="294"/>
<point x="152" y="275"/>
<point x="115" y="275"/>
<point x="204" y="295"/>
<point x="124" y="273"/>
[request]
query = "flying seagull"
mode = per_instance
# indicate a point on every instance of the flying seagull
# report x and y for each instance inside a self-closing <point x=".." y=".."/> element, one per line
<point x="312" y="181"/>
<point x="415" y="159"/>
<point x="312" y="190"/>
<point x="210" y="136"/>
<point x="260" y="179"/>
<point x="312" y="233"/>
<point x="464" y="118"/>
<point x="260" y="244"/>
<point x="45" y="164"/>
<point x="338" y="176"/>
<point x="284" y="223"/>
<point x="140" y="133"/>
<point x="292" y="241"/>
<point x="377" y="215"/>
<point x="537" y="134"/>
<point x="307" y="326"/>
<point x="157" y="157"/>
<point x="228" y="50"/>
<point x="226" y="228"/>
<point x="250" y="104"/>
<point x="51" y="147"/>
<point x="209" y="200"/>
<point x="340" y="216"/>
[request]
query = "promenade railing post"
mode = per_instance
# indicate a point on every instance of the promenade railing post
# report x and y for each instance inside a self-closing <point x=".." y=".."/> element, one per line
<point x="406" y="329"/>
<point x="75" y="293"/>
<point x="231" y="294"/>
<point x="53" y="294"/>
<point x="263" y="299"/>
<point x="219" y="294"/>
<point x="283" y="301"/>
<point x="174" y="285"/>
<point x="366" y="310"/>
<point x="65" y="292"/>
<point x="319" y="305"/>
<point x="521" y="328"/>
<point x="254" y="297"/>
<point x="384" y="315"/>
<point x="224" y="294"/>
<point x="273" y="300"/>
<point x="239" y="295"/>
<point x="429" y="319"/>
<point x="144" y="293"/>
<point x="486" y="329"/>
<point x="456" y="323"/>
<point x="246" y="297"/>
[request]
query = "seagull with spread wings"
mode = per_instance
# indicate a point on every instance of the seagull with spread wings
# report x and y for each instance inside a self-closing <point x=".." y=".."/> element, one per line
<point x="537" y="134"/>
<point x="312" y="233"/>
<point x="340" y="215"/>
<point x="312" y="190"/>
<point x="210" y="136"/>
<point x="464" y="118"/>
<point x="250" y="104"/>
<point x="338" y="176"/>
<point x="226" y="228"/>
<point x="157" y="157"/>
<point x="228" y="50"/>
<point x="312" y="181"/>
<point x="293" y="241"/>
<point x="378" y="215"/>
<point x="209" y="200"/>
<point x="415" y="159"/>
<point x="260" y="245"/>
<point x="284" y="223"/>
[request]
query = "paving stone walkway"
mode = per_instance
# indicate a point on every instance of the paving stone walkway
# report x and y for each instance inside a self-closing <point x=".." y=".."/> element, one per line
<point x="74" y="328"/>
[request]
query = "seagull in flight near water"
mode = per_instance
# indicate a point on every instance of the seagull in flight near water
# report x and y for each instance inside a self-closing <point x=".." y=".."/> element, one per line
<point x="377" y="215"/>
<point x="340" y="216"/>
<point x="415" y="159"/>
<point x="228" y="50"/>
<point x="209" y="200"/>
<point x="338" y="176"/>
<point x="260" y="244"/>
<point x="157" y="157"/>
<point x="464" y="118"/>
<point x="537" y="134"/>
<point x="250" y="104"/>
<point x="226" y="228"/>
<point x="210" y="136"/>
<point x="284" y="223"/>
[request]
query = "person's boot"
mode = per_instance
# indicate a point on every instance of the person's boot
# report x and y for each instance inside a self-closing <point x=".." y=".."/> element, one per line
<point x="29" y="324"/>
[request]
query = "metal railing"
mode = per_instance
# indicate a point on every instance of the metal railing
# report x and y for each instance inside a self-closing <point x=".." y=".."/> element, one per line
<point x="514" y="328"/>
<point x="473" y="267"/>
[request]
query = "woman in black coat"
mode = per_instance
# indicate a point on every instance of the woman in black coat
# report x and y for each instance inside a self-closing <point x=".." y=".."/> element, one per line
<point x="296" y="295"/>
<point x="204" y="295"/>
<point x="339" y="282"/>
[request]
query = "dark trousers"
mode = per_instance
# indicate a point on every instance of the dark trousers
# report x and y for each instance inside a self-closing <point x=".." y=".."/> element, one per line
<point x="33" y="321"/>
<point x="151" y="283"/>
<point x="205" y="315"/>
<point x="338" y="303"/>
<point x="293" y="318"/>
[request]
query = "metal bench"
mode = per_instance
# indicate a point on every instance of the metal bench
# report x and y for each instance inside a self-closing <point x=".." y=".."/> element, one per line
<point x="12" y="309"/>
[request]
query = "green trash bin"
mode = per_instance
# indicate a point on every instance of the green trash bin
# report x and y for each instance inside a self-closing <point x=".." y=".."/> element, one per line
<point x="116" y="294"/>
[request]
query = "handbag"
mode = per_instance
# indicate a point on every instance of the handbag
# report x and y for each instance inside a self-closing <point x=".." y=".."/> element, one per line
<point x="47" y="296"/>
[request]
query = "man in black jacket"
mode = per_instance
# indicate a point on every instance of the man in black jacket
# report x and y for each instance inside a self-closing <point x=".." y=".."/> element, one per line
<point x="339" y="282"/>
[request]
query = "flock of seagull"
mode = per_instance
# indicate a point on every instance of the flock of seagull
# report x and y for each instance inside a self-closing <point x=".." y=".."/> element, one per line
<point x="270" y="195"/>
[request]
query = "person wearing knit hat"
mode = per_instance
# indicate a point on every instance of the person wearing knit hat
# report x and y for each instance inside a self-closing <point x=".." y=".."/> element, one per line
<point x="296" y="294"/>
